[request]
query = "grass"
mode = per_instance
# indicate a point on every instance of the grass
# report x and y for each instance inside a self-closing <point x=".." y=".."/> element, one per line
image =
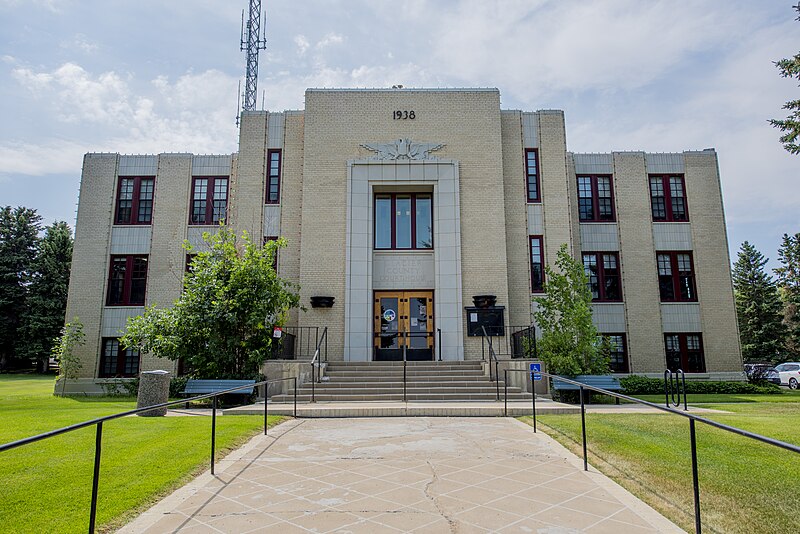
<point x="47" y="485"/>
<point x="745" y="486"/>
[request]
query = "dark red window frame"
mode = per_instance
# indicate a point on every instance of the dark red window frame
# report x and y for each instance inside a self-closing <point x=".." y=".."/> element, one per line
<point x="683" y="356"/>
<point x="536" y="259"/>
<point x="203" y="211"/>
<point x="622" y="366"/>
<point x="595" y="199"/>
<point x="677" y="285"/>
<point x="604" y="278"/>
<point x="138" y="208"/>
<point x="116" y="361"/>
<point x="532" y="182"/>
<point x="127" y="280"/>
<point x="274" y="161"/>
<point x="671" y="211"/>
<point x="393" y="197"/>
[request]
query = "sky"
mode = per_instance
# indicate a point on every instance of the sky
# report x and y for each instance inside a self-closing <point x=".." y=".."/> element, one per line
<point x="155" y="76"/>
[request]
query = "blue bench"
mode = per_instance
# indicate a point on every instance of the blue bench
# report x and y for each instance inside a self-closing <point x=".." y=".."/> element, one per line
<point x="608" y="382"/>
<point x="204" y="387"/>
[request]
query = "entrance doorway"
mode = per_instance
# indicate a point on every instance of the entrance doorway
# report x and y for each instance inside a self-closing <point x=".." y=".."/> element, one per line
<point x="403" y="321"/>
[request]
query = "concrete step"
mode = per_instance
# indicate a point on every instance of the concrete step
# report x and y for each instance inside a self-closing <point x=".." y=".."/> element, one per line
<point x="453" y="397"/>
<point x="354" y="378"/>
<point x="389" y="391"/>
<point x="385" y="384"/>
<point x="409" y="372"/>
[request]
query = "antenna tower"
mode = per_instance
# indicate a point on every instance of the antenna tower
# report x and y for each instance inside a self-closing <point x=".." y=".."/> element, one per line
<point x="252" y="40"/>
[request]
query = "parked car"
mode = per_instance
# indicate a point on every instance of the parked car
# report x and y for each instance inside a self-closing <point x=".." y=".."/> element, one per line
<point x="757" y="371"/>
<point x="785" y="374"/>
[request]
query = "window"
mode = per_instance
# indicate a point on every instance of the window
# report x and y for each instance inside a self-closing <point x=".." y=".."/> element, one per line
<point x="537" y="263"/>
<point x="403" y="221"/>
<point x="116" y="361"/>
<point x="127" y="281"/>
<point x="189" y="260"/>
<point x="595" y="199"/>
<point x="668" y="198"/>
<point x="619" y="353"/>
<point x="273" y="176"/>
<point x="602" y="270"/>
<point x="685" y="351"/>
<point x="135" y="200"/>
<point x="275" y="258"/>
<point x="209" y="200"/>
<point x="676" y="277"/>
<point x="532" y="174"/>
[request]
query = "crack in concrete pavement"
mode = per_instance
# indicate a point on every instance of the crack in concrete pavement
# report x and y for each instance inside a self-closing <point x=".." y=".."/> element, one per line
<point x="435" y="478"/>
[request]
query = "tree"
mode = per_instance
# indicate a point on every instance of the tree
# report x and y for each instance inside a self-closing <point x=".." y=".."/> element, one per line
<point x="63" y="351"/>
<point x="790" y="68"/>
<point x="19" y="229"/>
<point x="758" y="308"/>
<point x="47" y="294"/>
<point x="222" y="324"/>
<point x="570" y="344"/>
<point x="789" y="288"/>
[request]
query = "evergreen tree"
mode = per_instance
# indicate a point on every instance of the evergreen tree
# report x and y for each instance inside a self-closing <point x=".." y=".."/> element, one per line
<point x="47" y="294"/>
<point x="790" y="68"/>
<point x="570" y="344"/>
<point x="19" y="229"/>
<point x="758" y="308"/>
<point x="789" y="287"/>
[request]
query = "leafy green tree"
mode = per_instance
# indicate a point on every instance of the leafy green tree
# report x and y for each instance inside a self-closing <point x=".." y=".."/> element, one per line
<point x="570" y="344"/>
<point x="790" y="68"/>
<point x="69" y="363"/>
<point x="47" y="294"/>
<point x="758" y="308"/>
<point x="222" y="324"/>
<point x="19" y="229"/>
<point x="789" y="288"/>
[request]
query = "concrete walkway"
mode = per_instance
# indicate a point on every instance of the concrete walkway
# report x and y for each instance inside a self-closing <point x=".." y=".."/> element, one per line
<point x="402" y="475"/>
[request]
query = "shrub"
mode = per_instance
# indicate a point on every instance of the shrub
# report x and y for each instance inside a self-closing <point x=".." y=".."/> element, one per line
<point x="642" y="385"/>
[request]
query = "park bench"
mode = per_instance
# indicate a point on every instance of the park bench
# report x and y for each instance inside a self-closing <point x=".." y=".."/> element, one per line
<point x="204" y="387"/>
<point x="608" y="382"/>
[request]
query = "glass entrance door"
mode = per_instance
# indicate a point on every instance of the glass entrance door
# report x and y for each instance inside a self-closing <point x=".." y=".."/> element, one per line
<point x="403" y="321"/>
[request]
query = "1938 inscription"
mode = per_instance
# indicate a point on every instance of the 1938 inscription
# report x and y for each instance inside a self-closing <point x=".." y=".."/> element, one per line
<point x="404" y="115"/>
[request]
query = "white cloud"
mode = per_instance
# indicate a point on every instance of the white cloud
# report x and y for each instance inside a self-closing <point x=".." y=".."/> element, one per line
<point x="80" y="42"/>
<point x="302" y="44"/>
<point x="329" y="39"/>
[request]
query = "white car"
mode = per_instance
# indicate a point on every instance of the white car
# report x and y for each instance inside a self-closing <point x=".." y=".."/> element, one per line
<point x="786" y="374"/>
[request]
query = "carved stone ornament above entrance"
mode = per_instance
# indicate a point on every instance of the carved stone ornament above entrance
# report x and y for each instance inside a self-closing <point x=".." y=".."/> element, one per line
<point x="402" y="149"/>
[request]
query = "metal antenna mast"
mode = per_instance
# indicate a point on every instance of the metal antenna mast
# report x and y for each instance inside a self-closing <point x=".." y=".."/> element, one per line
<point x="251" y="43"/>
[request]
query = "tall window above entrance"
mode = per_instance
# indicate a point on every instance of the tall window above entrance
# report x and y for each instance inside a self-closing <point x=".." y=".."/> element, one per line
<point x="403" y="221"/>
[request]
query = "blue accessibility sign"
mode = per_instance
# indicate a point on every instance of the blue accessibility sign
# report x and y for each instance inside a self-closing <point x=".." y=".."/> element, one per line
<point x="536" y="370"/>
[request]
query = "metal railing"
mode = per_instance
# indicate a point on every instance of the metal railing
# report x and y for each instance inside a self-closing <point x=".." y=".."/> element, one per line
<point x="492" y="359"/>
<point x="692" y="434"/>
<point x="98" y="422"/>
<point x="510" y="341"/>
<point x="296" y="343"/>
<point x="321" y="351"/>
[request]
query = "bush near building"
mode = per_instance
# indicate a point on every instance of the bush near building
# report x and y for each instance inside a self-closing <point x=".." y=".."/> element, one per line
<point x="642" y="385"/>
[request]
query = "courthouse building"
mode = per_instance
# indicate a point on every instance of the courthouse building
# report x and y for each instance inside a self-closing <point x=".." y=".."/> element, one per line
<point x="403" y="205"/>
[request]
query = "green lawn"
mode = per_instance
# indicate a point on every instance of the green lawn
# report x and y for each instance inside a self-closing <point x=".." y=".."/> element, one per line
<point x="47" y="485"/>
<point x="746" y="486"/>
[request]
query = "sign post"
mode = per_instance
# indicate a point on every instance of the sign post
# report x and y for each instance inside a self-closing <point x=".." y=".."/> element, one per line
<point x="536" y="370"/>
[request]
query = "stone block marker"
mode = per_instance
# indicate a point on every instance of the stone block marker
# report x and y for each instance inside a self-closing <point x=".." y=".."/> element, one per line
<point x="153" y="389"/>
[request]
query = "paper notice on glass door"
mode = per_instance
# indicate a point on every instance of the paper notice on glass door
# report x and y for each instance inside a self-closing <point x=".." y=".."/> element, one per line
<point x="414" y="321"/>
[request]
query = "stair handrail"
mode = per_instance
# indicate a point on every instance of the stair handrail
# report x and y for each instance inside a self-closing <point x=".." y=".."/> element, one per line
<point x="314" y="361"/>
<point x="493" y="359"/>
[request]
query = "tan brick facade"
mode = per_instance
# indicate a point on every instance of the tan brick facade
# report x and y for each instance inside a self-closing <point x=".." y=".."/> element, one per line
<point x="328" y="220"/>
